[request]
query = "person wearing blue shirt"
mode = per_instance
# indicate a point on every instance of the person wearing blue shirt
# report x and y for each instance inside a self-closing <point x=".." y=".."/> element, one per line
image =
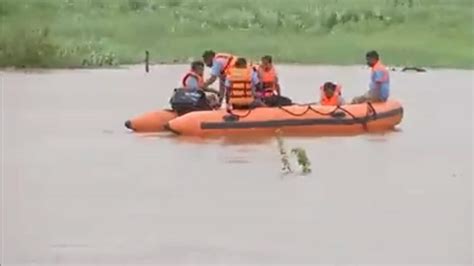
<point x="379" y="86"/>
<point x="193" y="82"/>
<point x="219" y="64"/>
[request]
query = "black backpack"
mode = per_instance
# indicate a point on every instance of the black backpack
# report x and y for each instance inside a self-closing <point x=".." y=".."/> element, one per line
<point x="185" y="101"/>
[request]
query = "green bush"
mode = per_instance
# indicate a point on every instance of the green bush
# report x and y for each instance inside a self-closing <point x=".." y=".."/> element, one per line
<point x="35" y="48"/>
<point x="28" y="47"/>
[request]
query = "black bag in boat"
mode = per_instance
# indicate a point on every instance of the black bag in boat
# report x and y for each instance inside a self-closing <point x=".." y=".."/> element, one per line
<point x="185" y="101"/>
<point x="277" y="100"/>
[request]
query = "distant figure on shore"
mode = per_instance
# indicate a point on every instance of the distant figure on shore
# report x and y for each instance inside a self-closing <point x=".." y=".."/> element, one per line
<point x="219" y="63"/>
<point x="269" y="88"/>
<point x="379" y="87"/>
<point x="241" y="83"/>
<point x="331" y="94"/>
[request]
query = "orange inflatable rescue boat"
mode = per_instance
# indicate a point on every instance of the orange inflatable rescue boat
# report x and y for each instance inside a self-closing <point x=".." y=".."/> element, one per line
<point x="151" y="121"/>
<point x="292" y="120"/>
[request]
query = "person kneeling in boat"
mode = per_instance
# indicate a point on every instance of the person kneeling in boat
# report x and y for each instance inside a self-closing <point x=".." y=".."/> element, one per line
<point x="269" y="88"/>
<point x="331" y="94"/>
<point x="379" y="88"/>
<point x="240" y="84"/>
<point x="219" y="63"/>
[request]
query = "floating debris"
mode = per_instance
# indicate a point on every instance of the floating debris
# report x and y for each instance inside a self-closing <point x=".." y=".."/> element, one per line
<point x="416" y="69"/>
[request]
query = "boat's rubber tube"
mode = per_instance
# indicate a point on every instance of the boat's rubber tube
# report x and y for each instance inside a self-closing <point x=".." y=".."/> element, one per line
<point x="295" y="119"/>
<point x="151" y="121"/>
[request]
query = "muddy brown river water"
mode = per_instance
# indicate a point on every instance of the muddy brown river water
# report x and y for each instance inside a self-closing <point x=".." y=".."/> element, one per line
<point x="77" y="187"/>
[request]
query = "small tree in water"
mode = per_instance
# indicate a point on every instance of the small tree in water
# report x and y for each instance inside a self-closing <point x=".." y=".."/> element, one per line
<point x="300" y="153"/>
<point x="303" y="160"/>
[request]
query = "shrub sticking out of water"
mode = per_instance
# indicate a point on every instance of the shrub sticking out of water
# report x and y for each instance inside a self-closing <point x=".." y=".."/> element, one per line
<point x="300" y="153"/>
<point x="303" y="160"/>
<point x="286" y="167"/>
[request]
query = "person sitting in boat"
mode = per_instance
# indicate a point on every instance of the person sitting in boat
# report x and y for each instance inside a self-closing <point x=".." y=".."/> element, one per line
<point x="191" y="95"/>
<point x="379" y="87"/>
<point x="240" y="84"/>
<point x="269" y="88"/>
<point x="193" y="81"/>
<point x="219" y="63"/>
<point x="331" y="94"/>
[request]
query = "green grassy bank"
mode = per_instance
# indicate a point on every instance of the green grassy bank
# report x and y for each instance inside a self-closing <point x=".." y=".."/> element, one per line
<point x="74" y="33"/>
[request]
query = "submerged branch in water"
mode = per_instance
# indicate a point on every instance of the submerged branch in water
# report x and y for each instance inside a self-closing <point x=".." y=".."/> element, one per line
<point x="286" y="166"/>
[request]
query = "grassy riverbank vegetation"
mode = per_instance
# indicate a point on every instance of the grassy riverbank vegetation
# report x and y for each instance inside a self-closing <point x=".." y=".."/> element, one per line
<point x="85" y="33"/>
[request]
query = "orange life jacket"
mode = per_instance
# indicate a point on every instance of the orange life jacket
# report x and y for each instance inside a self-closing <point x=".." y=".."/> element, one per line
<point x="240" y="86"/>
<point x="380" y="67"/>
<point x="228" y="59"/>
<point x="268" y="80"/>
<point x="195" y="75"/>
<point x="335" y="100"/>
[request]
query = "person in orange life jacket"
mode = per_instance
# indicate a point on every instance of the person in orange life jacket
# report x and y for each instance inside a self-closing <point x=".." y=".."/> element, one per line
<point x="240" y="84"/>
<point x="331" y="94"/>
<point x="268" y="77"/>
<point x="193" y="81"/>
<point x="268" y="88"/>
<point x="379" y="87"/>
<point x="219" y="63"/>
